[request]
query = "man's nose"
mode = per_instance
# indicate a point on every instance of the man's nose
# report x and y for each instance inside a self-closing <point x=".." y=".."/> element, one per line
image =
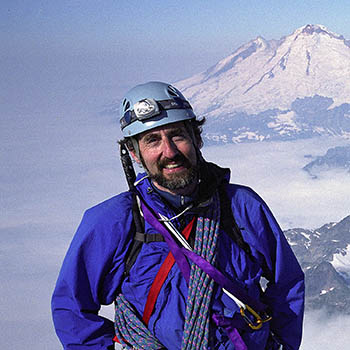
<point x="169" y="148"/>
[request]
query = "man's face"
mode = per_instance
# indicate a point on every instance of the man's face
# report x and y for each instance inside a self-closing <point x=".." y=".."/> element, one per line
<point x="169" y="156"/>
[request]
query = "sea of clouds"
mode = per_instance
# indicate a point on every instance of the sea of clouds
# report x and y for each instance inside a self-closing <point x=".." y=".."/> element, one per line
<point x="58" y="162"/>
<point x="274" y="170"/>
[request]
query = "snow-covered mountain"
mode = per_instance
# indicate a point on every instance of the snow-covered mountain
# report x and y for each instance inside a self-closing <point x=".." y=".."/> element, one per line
<point x="294" y="87"/>
<point x="324" y="255"/>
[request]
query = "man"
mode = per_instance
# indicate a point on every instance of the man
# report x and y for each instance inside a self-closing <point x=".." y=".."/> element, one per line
<point x="194" y="282"/>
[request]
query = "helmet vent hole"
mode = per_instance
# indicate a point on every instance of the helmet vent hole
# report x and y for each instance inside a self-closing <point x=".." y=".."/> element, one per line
<point x="126" y="104"/>
<point x="172" y="91"/>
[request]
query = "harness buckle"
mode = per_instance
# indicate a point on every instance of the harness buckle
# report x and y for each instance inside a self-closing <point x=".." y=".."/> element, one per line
<point x="255" y="321"/>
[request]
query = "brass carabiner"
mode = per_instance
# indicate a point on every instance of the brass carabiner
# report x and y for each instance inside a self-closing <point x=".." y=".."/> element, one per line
<point x="257" y="324"/>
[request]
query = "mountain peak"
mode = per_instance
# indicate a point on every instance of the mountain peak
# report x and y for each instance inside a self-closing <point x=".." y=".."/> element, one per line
<point x="316" y="29"/>
<point x="312" y="28"/>
<point x="260" y="41"/>
<point x="267" y="74"/>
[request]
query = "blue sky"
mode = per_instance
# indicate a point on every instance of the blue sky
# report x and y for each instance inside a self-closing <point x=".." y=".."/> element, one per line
<point x="114" y="44"/>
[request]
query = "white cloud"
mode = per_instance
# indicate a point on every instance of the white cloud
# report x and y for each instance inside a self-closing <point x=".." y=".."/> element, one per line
<point x="274" y="170"/>
<point x="324" y="332"/>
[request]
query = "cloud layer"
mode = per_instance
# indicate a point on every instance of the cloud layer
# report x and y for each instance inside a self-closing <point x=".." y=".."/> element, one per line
<point x="56" y="166"/>
<point x="274" y="170"/>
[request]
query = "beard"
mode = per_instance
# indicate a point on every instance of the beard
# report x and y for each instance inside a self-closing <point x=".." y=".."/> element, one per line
<point x="174" y="181"/>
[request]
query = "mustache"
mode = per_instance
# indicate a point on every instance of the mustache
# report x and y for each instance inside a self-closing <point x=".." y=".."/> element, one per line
<point x="178" y="158"/>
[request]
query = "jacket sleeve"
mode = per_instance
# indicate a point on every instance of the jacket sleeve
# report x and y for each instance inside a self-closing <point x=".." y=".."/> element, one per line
<point x="89" y="277"/>
<point x="285" y="290"/>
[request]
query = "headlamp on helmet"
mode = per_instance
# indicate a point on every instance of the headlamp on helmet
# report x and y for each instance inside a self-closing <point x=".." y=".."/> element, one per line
<point x="146" y="108"/>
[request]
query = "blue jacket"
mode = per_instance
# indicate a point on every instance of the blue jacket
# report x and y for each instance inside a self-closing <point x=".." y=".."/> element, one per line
<point x="92" y="275"/>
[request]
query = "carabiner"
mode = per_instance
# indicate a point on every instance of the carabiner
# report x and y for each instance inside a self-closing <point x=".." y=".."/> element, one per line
<point x="257" y="324"/>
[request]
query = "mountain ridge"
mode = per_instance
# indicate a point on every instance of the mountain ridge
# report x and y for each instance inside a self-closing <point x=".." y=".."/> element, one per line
<point x="324" y="255"/>
<point x="335" y="158"/>
<point x="291" y="88"/>
<point x="298" y="55"/>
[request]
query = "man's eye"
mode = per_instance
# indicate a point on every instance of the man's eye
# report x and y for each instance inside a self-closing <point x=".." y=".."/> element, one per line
<point x="151" y="140"/>
<point x="179" y="137"/>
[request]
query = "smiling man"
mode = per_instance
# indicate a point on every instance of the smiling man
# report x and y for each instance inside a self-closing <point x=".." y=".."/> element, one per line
<point x="182" y="253"/>
<point x="168" y="155"/>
